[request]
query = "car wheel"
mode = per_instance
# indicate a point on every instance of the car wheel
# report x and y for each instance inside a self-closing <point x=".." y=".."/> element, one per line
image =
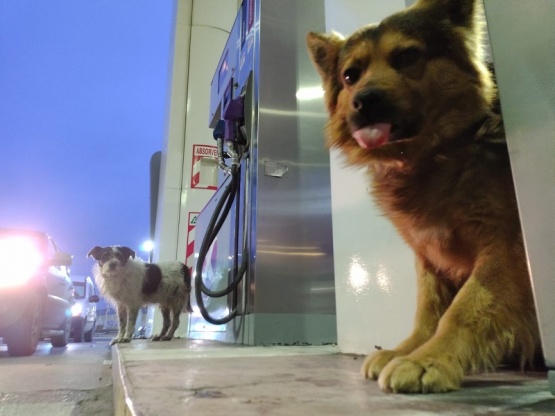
<point x="78" y="331"/>
<point x="89" y="334"/>
<point x="63" y="339"/>
<point x="23" y="337"/>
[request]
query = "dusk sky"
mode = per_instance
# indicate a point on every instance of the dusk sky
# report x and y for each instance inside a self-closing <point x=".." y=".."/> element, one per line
<point x="84" y="89"/>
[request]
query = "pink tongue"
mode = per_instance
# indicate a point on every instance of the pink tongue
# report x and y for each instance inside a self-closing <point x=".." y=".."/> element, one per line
<point x="372" y="136"/>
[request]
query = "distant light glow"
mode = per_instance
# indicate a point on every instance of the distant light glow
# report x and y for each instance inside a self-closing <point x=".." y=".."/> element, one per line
<point x="147" y="246"/>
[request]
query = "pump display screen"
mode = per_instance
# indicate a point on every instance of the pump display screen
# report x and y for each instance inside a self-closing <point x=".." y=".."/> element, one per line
<point x="247" y="20"/>
<point x="222" y="72"/>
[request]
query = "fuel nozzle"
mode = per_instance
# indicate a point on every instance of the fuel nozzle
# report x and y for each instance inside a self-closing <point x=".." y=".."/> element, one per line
<point x="234" y="117"/>
<point x="219" y="130"/>
<point x="228" y="131"/>
<point x="219" y="135"/>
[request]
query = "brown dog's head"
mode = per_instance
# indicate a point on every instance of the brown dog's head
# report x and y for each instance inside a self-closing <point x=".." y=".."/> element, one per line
<point x="417" y="74"/>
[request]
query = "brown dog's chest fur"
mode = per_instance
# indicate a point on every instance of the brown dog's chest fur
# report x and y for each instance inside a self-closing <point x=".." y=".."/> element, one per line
<point x="448" y="202"/>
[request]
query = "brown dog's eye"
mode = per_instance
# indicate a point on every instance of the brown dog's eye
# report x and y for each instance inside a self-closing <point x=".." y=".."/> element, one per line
<point x="351" y="75"/>
<point x="403" y="58"/>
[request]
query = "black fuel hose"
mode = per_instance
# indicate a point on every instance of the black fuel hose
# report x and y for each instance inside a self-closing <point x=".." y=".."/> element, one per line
<point x="218" y="218"/>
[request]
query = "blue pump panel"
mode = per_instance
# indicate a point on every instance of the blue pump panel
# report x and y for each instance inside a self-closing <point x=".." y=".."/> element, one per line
<point x="221" y="87"/>
<point x="236" y="62"/>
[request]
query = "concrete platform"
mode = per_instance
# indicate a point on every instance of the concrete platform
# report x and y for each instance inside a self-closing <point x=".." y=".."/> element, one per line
<point x="188" y="377"/>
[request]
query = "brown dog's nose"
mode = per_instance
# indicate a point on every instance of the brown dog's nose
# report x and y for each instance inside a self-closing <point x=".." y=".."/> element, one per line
<point x="368" y="99"/>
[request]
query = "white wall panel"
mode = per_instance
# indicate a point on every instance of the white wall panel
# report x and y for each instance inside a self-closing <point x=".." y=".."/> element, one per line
<point x="215" y="14"/>
<point x="207" y="44"/>
<point x="200" y="35"/>
<point x="524" y="58"/>
<point x="346" y="16"/>
<point x="172" y="154"/>
<point x="374" y="269"/>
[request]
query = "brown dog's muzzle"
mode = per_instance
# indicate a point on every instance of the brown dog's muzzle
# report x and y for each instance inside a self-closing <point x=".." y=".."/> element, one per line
<point x="370" y="106"/>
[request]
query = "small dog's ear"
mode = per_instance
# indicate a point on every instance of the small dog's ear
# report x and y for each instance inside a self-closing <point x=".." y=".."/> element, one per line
<point x="127" y="252"/>
<point x="324" y="53"/>
<point x="96" y="252"/>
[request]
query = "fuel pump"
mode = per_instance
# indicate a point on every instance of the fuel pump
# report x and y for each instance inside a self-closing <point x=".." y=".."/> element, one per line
<point x="232" y="144"/>
<point x="263" y="246"/>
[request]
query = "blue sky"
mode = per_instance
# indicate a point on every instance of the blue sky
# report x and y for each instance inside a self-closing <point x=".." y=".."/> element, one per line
<point x="84" y="93"/>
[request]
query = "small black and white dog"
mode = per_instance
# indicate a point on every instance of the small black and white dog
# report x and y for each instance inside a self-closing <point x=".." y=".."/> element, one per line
<point x="131" y="283"/>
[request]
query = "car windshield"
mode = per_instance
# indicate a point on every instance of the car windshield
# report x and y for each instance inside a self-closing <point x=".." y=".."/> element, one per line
<point x="79" y="289"/>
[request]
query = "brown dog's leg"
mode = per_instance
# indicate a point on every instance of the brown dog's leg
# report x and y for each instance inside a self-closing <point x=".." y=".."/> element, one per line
<point x="165" y="323"/>
<point x="433" y="298"/>
<point x="491" y="315"/>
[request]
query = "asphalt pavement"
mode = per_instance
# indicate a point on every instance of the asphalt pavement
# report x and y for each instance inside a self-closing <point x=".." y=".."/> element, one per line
<point x="70" y="381"/>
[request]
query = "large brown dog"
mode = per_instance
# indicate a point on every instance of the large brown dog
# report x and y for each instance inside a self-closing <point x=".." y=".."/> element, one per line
<point x="412" y="100"/>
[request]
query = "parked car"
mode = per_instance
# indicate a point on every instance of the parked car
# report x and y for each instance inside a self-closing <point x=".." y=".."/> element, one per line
<point x="83" y="320"/>
<point x="36" y="293"/>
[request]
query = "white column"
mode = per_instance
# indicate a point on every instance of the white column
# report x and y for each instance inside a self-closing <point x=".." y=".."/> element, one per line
<point x="375" y="279"/>
<point x="201" y="30"/>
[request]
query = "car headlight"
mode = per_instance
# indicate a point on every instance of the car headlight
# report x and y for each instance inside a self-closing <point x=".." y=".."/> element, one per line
<point x="76" y="309"/>
<point x="19" y="261"/>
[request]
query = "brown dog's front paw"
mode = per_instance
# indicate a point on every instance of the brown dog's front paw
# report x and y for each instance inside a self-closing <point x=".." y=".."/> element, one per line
<point x="156" y="338"/>
<point x="374" y="363"/>
<point x="407" y="375"/>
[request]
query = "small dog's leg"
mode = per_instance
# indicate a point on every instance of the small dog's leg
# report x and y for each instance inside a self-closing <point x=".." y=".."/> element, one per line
<point x="175" y="311"/>
<point x="188" y="309"/>
<point x="132" y="313"/>
<point x="433" y="298"/>
<point x="165" y="323"/>
<point x="492" y="314"/>
<point x="122" y="319"/>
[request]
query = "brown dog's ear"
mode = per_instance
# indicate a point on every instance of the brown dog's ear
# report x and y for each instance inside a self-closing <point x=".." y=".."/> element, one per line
<point x="127" y="252"/>
<point x="324" y="53"/>
<point x="467" y="15"/>
<point x="96" y="252"/>
<point x="461" y="13"/>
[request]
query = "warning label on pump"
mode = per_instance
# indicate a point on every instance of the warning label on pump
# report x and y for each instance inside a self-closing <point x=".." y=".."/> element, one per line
<point x="205" y="151"/>
<point x="204" y="168"/>
<point x="190" y="250"/>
